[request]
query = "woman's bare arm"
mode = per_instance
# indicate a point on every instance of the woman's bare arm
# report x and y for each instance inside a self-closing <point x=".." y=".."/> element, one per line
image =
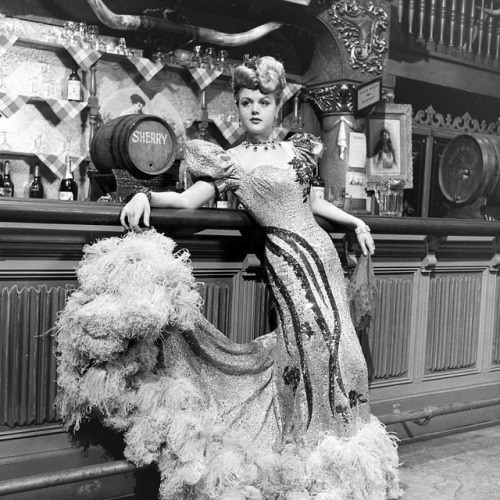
<point x="331" y="212"/>
<point x="195" y="196"/>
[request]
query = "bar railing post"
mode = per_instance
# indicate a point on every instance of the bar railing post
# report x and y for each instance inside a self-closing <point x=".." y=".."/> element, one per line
<point x="488" y="57"/>
<point x="480" y="36"/>
<point x="401" y="5"/>
<point x="469" y="53"/>
<point x="496" y="59"/>
<point x="411" y="18"/>
<point x="461" y="25"/>
<point x="431" y="43"/>
<point x="421" y="21"/>
<point x="450" y="48"/>
<point x="440" y="46"/>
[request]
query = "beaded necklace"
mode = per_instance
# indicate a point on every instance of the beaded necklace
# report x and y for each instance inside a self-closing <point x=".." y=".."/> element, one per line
<point x="264" y="145"/>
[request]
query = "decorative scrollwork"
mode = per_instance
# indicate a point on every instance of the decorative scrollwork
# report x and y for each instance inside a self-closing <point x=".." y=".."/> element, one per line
<point x="363" y="32"/>
<point x="465" y="124"/>
<point x="336" y="98"/>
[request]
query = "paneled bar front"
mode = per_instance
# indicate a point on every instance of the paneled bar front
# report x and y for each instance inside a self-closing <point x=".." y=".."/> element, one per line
<point x="435" y="338"/>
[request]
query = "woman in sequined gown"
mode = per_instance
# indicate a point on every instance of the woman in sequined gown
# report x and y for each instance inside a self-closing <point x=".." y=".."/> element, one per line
<point x="304" y="387"/>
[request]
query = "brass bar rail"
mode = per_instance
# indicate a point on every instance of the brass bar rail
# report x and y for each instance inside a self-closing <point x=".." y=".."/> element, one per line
<point x="46" y="480"/>
<point x="60" y="214"/>
<point x="50" y="479"/>
<point x="434" y="411"/>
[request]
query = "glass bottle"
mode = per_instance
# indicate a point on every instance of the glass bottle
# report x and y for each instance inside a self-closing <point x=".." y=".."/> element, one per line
<point x="222" y="201"/>
<point x="75" y="40"/>
<point x="2" y="192"/>
<point x="36" y="186"/>
<point x="318" y="186"/>
<point x="47" y="82"/>
<point x="209" y="58"/>
<point x="196" y="57"/>
<point x="4" y="145"/>
<point x="74" y="85"/>
<point x="68" y="190"/>
<point x="83" y="34"/>
<point x="93" y="37"/>
<point x="222" y="60"/>
<point x="8" y="185"/>
<point x="34" y="84"/>
<point x="296" y="125"/>
<point x="66" y="33"/>
<point x="122" y="46"/>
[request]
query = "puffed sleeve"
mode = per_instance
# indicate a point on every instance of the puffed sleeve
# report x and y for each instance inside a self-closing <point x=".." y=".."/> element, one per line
<point x="308" y="146"/>
<point x="210" y="163"/>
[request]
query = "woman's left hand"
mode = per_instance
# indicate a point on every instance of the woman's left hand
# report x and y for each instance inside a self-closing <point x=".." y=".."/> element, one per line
<point x="366" y="243"/>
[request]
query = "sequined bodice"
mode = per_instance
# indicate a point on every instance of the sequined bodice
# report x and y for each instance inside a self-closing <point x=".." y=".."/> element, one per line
<point x="273" y="197"/>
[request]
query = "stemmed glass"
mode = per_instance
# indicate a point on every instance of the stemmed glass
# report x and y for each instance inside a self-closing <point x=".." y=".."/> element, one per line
<point x="4" y="145"/>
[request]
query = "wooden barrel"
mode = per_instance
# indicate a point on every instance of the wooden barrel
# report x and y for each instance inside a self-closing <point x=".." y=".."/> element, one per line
<point x="469" y="169"/>
<point x="145" y="145"/>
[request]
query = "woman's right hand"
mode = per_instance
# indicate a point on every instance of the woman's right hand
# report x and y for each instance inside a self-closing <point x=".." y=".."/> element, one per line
<point x="131" y="214"/>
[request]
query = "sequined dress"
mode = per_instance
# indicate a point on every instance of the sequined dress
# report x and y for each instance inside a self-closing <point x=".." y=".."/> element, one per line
<point x="309" y="377"/>
<point x="319" y="372"/>
<point x="284" y="417"/>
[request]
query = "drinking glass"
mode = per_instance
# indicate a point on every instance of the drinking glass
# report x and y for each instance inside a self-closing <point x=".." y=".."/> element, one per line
<point x="389" y="195"/>
<point x="38" y="143"/>
<point x="4" y="145"/>
<point x="196" y="57"/>
<point x="222" y="60"/>
<point x="209" y="58"/>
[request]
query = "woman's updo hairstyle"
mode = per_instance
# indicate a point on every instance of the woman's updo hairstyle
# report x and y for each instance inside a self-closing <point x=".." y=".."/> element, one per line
<point x="264" y="73"/>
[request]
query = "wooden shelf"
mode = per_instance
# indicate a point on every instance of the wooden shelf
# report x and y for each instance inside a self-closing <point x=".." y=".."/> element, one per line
<point x="7" y="154"/>
<point x="108" y="56"/>
<point x="16" y="154"/>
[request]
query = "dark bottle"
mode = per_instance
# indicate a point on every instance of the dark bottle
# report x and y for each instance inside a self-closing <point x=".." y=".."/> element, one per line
<point x="74" y="85"/>
<point x="8" y="185"/>
<point x="36" y="186"/>
<point x="2" y="192"/>
<point x="222" y="201"/>
<point x="68" y="190"/>
<point x="318" y="186"/>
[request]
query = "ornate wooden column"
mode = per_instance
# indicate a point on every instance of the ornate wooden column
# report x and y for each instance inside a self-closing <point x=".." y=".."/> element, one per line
<point x="351" y="50"/>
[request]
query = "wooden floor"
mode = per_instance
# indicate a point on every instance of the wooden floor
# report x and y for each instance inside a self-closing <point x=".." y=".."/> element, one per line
<point x="460" y="466"/>
<point x="463" y="466"/>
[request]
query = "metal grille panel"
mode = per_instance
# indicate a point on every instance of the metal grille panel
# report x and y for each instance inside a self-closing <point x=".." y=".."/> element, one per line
<point x="452" y="330"/>
<point x="387" y="343"/>
<point x="28" y="367"/>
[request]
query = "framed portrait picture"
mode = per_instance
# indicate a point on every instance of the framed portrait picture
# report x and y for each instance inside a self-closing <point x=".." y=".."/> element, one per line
<point x="389" y="144"/>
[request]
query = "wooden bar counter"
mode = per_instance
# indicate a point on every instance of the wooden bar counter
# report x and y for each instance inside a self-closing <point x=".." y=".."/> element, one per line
<point x="434" y="340"/>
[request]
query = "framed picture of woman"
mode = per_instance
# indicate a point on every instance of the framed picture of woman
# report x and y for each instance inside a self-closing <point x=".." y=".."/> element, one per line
<point x="389" y="144"/>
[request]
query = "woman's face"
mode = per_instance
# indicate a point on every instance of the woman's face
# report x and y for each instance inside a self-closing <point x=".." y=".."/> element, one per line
<point x="257" y="113"/>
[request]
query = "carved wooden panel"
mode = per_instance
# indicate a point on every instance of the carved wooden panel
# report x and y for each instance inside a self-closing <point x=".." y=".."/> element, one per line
<point x="216" y="304"/>
<point x="386" y="345"/>
<point x="496" y="331"/>
<point x="453" y="322"/>
<point x="28" y="367"/>
<point x="250" y="315"/>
